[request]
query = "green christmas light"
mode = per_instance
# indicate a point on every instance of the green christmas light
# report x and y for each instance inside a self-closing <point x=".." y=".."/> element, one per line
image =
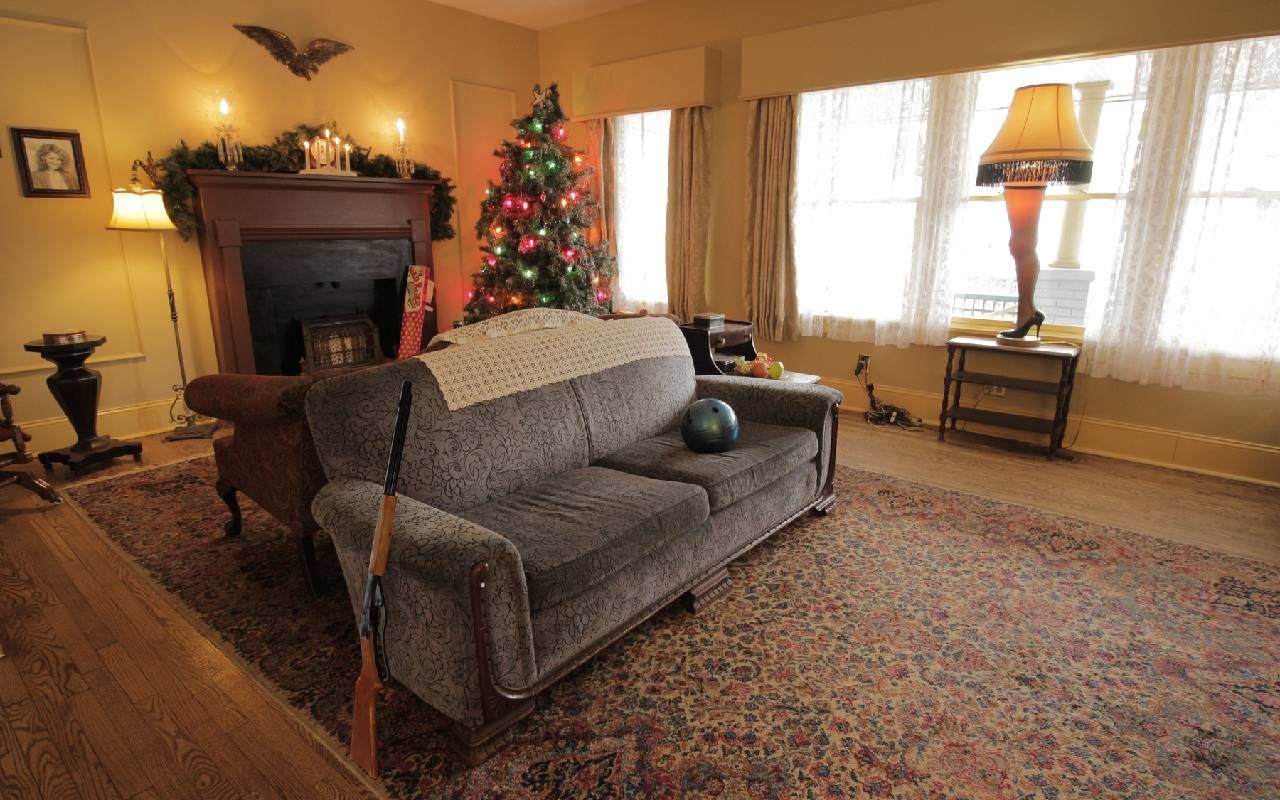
<point x="497" y="249"/>
<point x="542" y="231"/>
<point x="551" y="165"/>
<point x="528" y="273"/>
<point x="537" y="125"/>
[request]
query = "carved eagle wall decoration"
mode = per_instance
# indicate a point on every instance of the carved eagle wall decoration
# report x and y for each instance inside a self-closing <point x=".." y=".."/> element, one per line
<point x="304" y="64"/>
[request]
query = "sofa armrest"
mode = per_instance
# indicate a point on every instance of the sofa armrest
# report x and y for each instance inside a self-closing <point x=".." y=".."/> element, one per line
<point x="430" y="643"/>
<point x="801" y="405"/>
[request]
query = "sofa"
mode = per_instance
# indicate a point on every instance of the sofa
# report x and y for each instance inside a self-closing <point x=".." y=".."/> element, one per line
<point x="536" y="527"/>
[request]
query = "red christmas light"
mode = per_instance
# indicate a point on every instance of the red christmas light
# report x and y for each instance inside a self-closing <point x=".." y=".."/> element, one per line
<point x="559" y="133"/>
<point x="491" y="261"/>
<point x="527" y="243"/>
<point x="508" y="202"/>
<point x="569" y="253"/>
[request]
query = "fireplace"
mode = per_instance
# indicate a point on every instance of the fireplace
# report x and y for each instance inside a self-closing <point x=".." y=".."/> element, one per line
<point x="280" y="251"/>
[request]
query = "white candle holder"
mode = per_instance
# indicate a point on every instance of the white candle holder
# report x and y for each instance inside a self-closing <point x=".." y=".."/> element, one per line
<point x="326" y="154"/>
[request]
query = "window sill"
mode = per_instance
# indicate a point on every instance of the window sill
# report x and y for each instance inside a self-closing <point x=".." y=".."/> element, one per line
<point x="1070" y="334"/>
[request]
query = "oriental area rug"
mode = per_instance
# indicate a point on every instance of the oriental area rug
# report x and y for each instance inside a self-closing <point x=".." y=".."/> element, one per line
<point x="917" y="643"/>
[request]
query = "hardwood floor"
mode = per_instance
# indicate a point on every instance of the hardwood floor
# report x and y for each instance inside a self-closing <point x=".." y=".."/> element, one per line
<point x="1214" y="513"/>
<point x="107" y="691"/>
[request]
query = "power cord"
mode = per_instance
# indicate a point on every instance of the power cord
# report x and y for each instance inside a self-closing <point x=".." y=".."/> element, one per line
<point x="883" y="413"/>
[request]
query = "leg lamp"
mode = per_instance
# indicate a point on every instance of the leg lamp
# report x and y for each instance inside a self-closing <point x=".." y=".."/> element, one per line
<point x="139" y="209"/>
<point x="1039" y="143"/>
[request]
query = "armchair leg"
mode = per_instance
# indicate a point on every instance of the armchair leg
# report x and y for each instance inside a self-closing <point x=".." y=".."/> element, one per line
<point x="228" y="494"/>
<point x="307" y="550"/>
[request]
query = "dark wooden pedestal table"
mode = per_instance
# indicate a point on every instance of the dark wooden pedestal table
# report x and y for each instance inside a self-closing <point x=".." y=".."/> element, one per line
<point x="1067" y="356"/>
<point x="75" y="387"/>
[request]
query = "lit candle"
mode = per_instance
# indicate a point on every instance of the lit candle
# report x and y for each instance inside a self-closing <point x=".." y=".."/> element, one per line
<point x="224" y="110"/>
<point x="337" y="153"/>
<point x="400" y="129"/>
<point x="346" y="152"/>
<point x="306" y="154"/>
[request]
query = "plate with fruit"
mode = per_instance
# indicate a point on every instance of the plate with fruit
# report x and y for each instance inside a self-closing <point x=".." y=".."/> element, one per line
<point x="762" y="367"/>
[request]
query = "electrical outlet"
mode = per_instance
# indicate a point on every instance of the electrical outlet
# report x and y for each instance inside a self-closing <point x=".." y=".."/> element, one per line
<point x="864" y="361"/>
<point x="994" y="391"/>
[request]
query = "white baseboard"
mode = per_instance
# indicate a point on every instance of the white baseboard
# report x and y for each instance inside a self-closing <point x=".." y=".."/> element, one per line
<point x="123" y="422"/>
<point x="1144" y="444"/>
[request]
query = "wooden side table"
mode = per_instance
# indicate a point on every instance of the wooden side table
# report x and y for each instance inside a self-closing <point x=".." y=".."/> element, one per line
<point x="1067" y="356"/>
<point x="712" y="348"/>
<point x="75" y="387"/>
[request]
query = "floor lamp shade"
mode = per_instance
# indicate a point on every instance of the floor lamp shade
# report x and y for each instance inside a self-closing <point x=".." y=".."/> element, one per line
<point x="1039" y="143"/>
<point x="139" y="210"/>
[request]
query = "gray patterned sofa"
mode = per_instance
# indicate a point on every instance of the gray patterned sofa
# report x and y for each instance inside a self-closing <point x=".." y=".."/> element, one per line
<point x="535" y="528"/>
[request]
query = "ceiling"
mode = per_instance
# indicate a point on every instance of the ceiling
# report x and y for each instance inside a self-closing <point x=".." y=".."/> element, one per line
<point x="538" y="14"/>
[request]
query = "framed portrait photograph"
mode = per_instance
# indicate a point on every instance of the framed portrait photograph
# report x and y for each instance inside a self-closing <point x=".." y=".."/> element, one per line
<point x="50" y="163"/>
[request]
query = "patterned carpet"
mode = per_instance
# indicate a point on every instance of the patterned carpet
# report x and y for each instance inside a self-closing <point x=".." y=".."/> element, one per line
<point x="917" y="643"/>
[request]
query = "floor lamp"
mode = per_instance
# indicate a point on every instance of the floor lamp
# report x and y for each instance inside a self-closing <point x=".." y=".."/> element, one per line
<point x="1039" y="143"/>
<point x="139" y="209"/>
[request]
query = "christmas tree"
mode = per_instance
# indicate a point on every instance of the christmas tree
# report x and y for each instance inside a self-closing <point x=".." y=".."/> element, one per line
<point x="533" y="224"/>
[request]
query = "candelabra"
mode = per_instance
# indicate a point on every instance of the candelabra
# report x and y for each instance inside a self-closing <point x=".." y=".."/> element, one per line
<point x="404" y="164"/>
<point x="230" y="151"/>
<point x="326" y="154"/>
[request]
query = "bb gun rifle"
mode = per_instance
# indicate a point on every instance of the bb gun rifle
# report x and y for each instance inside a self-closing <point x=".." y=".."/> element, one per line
<point x="373" y="656"/>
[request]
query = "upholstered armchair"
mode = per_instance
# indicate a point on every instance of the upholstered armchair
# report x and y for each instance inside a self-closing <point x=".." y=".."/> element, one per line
<point x="270" y="456"/>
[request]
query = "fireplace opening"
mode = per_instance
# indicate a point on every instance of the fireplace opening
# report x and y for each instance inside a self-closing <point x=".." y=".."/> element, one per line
<point x="292" y="282"/>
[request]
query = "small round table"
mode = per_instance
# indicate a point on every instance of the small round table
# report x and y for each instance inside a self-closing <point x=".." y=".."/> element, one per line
<point x="75" y="387"/>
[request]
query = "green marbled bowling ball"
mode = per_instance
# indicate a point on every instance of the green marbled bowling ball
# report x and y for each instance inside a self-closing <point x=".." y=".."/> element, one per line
<point x="709" y="426"/>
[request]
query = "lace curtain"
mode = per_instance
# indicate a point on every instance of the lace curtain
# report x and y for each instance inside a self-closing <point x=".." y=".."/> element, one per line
<point x="640" y="149"/>
<point x="878" y="167"/>
<point x="1194" y="296"/>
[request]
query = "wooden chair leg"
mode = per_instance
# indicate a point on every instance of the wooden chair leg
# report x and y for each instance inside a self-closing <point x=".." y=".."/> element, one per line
<point x="38" y="485"/>
<point x="307" y="549"/>
<point x="228" y="494"/>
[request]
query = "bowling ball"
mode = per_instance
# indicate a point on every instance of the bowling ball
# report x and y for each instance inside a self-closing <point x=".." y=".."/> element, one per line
<point x="709" y="426"/>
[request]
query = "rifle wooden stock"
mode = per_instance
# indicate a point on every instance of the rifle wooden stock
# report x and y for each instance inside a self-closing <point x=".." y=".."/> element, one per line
<point x="364" y="716"/>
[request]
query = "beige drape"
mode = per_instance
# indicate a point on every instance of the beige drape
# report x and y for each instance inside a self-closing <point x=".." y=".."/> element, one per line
<point x="688" y="210"/>
<point x="769" y="264"/>
<point x="600" y="155"/>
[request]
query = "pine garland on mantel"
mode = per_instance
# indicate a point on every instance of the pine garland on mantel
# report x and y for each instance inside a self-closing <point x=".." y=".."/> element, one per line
<point x="284" y="154"/>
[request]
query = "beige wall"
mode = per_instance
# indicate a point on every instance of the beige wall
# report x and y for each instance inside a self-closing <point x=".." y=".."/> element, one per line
<point x="1193" y="429"/>
<point x="138" y="75"/>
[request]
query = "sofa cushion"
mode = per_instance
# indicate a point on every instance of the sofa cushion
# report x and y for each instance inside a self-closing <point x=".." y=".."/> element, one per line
<point x="625" y="404"/>
<point x="575" y="529"/>
<point x="763" y="454"/>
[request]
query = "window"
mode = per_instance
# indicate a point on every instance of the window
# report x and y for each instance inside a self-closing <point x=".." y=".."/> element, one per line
<point x="640" y="164"/>
<point x="869" y="157"/>
<point x="860" y="158"/>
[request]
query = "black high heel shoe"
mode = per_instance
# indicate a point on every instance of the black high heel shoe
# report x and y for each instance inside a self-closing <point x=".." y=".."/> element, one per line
<point x="1020" y="332"/>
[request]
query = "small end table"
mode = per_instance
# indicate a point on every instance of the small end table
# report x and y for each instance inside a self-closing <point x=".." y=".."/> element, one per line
<point x="75" y="387"/>
<point x="1067" y="358"/>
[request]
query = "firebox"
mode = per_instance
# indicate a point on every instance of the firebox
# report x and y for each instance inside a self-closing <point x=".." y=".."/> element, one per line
<point x="291" y="282"/>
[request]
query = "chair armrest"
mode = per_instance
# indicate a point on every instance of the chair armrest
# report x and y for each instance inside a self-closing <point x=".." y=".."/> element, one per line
<point x="255" y="399"/>
<point x="248" y="399"/>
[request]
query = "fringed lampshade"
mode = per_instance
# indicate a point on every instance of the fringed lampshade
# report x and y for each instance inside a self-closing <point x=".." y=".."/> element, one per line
<point x="1039" y="143"/>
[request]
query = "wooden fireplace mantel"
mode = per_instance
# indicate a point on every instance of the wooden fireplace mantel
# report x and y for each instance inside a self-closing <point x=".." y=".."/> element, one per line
<point x="237" y="207"/>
